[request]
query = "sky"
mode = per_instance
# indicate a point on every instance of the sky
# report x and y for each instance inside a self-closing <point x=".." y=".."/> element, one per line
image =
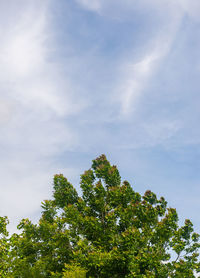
<point x="79" y="78"/>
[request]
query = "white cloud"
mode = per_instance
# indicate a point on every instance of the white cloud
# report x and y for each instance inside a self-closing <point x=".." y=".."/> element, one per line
<point x="23" y="51"/>
<point x="136" y="77"/>
<point x="35" y="98"/>
<point x="24" y="66"/>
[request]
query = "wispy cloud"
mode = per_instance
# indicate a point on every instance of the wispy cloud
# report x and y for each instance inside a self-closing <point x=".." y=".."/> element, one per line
<point x="136" y="73"/>
<point x="35" y="99"/>
<point x="25" y="54"/>
<point x="136" y="79"/>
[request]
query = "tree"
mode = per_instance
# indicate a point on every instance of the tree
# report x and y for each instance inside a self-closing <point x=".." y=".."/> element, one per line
<point x="109" y="231"/>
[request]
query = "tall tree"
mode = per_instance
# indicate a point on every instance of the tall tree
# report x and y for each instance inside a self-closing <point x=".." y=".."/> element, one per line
<point x="109" y="231"/>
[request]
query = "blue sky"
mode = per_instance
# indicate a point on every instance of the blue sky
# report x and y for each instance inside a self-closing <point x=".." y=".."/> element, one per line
<point x="79" y="78"/>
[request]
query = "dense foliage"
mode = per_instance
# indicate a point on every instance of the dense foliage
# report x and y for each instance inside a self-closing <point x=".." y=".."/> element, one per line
<point x="110" y="231"/>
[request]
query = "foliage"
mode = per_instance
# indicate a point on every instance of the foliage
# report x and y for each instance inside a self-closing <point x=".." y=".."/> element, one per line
<point x="4" y="248"/>
<point x="109" y="231"/>
<point x="74" y="271"/>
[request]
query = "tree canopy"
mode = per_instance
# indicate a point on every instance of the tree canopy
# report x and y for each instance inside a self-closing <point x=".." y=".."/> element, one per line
<point x="108" y="231"/>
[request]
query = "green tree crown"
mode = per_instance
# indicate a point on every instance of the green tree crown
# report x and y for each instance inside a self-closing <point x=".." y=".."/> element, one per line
<point x="108" y="231"/>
